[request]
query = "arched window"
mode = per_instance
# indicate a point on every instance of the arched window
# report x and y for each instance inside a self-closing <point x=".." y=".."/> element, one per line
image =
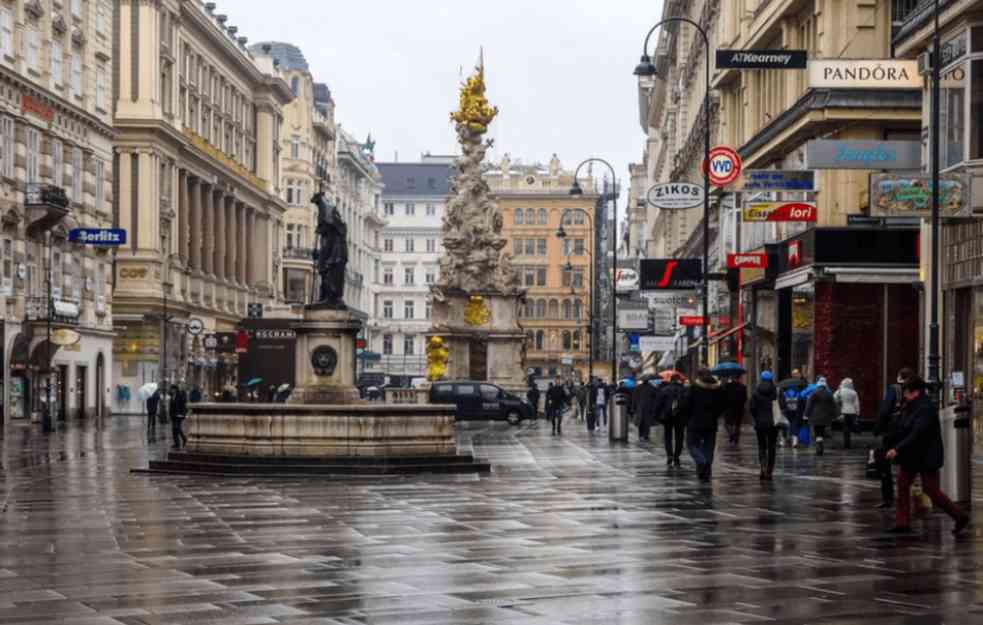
<point x="540" y="340"/>
<point x="542" y="217"/>
<point x="530" y="309"/>
<point x="567" y="309"/>
<point x="295" y="85"/>
<point x="578" y="309"/>
<point x="576" y="339"/>
<point x="541" y="309"/>
<point x="530" y="217"/>
<point x="554" y="309"/>
<point x="517" y="220"/>
<point x="567" y="342"/>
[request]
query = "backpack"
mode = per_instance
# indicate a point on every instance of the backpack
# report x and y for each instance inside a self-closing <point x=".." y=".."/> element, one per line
<point x="792" y="400"/>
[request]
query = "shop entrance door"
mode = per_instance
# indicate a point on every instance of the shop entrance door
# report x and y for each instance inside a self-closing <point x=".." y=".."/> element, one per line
<point x="81" y="377"/>
<point x="62" y="391"/>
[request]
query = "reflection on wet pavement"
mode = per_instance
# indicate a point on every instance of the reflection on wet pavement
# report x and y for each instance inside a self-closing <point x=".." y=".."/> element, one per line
<point x="567" y="530"/>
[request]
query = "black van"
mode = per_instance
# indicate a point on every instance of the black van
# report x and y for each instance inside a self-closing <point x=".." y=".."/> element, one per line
<point x="481" y="400"/>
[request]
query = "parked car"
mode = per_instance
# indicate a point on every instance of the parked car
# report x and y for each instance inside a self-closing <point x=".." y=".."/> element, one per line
<point x="481" y="400"/>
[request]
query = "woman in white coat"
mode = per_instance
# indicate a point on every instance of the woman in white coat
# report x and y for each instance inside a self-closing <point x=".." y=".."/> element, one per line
<point x="849" y="403"/>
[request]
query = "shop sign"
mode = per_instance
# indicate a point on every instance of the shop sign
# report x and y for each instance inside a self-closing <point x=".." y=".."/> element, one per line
<point x="663" y="320"/>
<point x="723" y="166"/>
<point x="670" y="274"/>
<point x="747" y="260"/>
<point x="831" y="154"/>
<point x="100" y="237"/>
<point x="633" y="319"/>
<point x="864" y="74"/>
<point x="762" y="59"/>
<point x="780" y="211"/>
<point x="649" y="344"/>
<point x="776" y="180"/>
<point x="794" y="254"/>
<point x="30" y="104"/>
<point x="671" y="298"/>
<point x="906" y="196"/>
<point x="211" y="341"/>
<point x="690" y="320"/>
<point x="675" y="195"/>
<point x="626" y="280"/>
<point x="882" y="222"/>
<point x="64" y="337"/>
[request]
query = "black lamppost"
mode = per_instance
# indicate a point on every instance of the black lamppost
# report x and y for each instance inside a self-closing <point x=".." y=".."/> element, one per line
<point x="576" y="191"/>
<point x="562" y="234"/>
<point x="933" y="328"/>
<point x="645" y="67"/>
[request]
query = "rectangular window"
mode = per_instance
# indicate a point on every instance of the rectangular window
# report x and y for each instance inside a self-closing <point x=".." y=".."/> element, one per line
<point x="431" y="210"/>
<point x="100" y="185"/>
<point x="387" y="245"/>
<point x="387" y="309"/>
<point x="431" y="245"/>
<point x="541" y="276"/>
<point x="8" y="264"/>
<point x="410" y="209"/>
<point x="567" y="247"/>
<point x="7" y="146"/>
<point x="428" y="311"/>
<point x="33" y="43"/>
<point x="76" y="75"/>
<point x="530" y="247"/>
<point x="953" y="105"/>
<point x="408" y="245"/>
<point x="409" y="345"/>
<point x="389" y="208"/>
<point x="387" y="344"/>
<point x="578" y="247"/>
<point x="409" y="309"/>
<point x="57" y="71"/>
<point x="430" y="277"/>
<point x="517" y="247"/>
<point x="33" y="155"/>
<point x="541" y="247"/>
<point x="102" y="86"/>
<point x="77" y="8"/>
<point x="7" y="31"/>
<point x="409" y="277"/>
<point x="295" y="148"/>
<point x="578" y="279"/>
<point x="976" y="104"/>
<point x="77" y="173"/>
<point x="57" y="164"/>
<point x="387" y="276"/>
<point x="530" y="277"/>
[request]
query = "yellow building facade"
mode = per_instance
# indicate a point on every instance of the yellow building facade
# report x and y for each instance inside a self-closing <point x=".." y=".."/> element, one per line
<point x="198" y="161"/>
<point x="555" y="272"/>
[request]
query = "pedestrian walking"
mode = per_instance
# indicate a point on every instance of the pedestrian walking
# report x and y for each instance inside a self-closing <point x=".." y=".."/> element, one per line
<point x="792" y="408"/>
<point x="153" y="403"/>
<point x="533" y="396"/>
<point x="919" y="453"/>
<point x="848" y="403"/>
<point x="705" y="402"/>
<point x="647" y="400"/>
<point x="673" y="415"/>
<point x="600" y="402"/>
<point x="820" y="412"/>
<point x="889" y="416"/>
<point x="179" y="410"/>
<point x="736" y="393"/>
<point x="583" y="395"/>
<point x="556" y="403"/>
<point x="764" y="410"/>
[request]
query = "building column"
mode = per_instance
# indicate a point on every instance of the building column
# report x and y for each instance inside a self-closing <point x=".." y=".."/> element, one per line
<point x="218" y="257"/>
<point x="183" y="222"/>
<point x="230" y="239"/>
<point x="208" y="230"/>
<point x="195" y="193"/>
<point x="241" y="255"/>
<point x="252" y="258"/>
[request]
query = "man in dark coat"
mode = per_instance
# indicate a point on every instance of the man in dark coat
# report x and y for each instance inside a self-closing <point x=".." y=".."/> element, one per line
<point x="533" y="396"/>
<point x="179" y="410"/>
<point x="153" y="402"/>
<point x="736" y="393"/>
<point x="646" y="399"/>
<point x="888" y="416"/>
<point x="821" y="410"/>
<point x="672" y="413"/>
<point x="919" y="452"/>
<point x="705" y="402"/>
<point x="763" y="405"/>
<point x="556" y="403"/>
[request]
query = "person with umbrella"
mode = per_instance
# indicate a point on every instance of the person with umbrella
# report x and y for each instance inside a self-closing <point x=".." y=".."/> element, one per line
<point x="736" y="393"/>
<point x="788" y="401"/>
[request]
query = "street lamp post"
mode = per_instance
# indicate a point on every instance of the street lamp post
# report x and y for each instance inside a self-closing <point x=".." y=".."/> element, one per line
<point x="933" y="329"/>
<point x="576" y="191"/>
<point x="561" y="234"/>
<point x="645" y="67"/>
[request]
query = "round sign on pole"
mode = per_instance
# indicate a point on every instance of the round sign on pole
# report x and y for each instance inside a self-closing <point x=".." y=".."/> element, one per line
<point x="675" y="195"/>
<point x="723" y="165"/>
<point x="195" y="326"/>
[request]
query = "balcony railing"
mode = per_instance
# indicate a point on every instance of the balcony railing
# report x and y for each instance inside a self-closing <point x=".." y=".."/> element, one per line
<point x="61" y="312"/>
<point x="303" y="253"/>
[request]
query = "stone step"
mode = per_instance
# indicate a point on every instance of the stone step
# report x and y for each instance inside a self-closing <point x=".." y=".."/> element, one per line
<point x="190" y="456"/>
<point x="297" y="469"/>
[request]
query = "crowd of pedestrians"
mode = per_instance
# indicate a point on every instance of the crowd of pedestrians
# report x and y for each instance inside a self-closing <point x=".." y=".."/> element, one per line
<point x="793" y="412"/>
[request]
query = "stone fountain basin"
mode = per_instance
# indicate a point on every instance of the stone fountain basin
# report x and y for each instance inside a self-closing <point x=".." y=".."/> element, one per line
<point x="362" y="430"/>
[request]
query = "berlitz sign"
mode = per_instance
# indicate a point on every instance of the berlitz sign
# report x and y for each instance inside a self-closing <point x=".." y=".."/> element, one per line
<point x="826" y="154"/>
<point x="762" y="59"/>
<point x="873" y="74"/>
<point x="673" y="195"/>
<point x="110" y="237"/>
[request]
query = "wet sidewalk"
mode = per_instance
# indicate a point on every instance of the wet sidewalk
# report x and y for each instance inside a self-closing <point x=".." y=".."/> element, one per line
<point x="567" y="530"/>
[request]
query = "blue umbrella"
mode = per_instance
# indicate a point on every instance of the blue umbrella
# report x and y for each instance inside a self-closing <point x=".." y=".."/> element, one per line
<point x="729" y="369"/>
<point x="254" y="382"/>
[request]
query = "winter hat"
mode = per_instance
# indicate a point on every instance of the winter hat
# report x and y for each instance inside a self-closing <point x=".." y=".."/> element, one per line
<point x="847" y="383"/>
<point x="767" y="376"/>
<point x="820" y="381"/>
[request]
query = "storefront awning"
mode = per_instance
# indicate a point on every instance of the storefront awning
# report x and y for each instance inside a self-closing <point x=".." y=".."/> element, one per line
<point x="719" y="337"/>
<point x="793" y="278"/>
<point x="875" y="275"/>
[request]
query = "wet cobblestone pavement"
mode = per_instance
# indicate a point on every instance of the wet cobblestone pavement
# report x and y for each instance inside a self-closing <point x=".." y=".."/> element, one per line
<point x="567" y="530"/>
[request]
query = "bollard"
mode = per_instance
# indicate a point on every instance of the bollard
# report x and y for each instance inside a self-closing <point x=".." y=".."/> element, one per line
<point x="957" y="439"/>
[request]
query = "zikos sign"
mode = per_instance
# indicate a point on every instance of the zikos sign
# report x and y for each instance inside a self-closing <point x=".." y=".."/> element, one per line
<point x="778" y="211"/>
<point x="723" y="166"/>
<point x="747" y="261"/>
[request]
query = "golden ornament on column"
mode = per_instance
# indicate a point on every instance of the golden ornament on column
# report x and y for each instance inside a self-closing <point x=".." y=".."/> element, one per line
<point x="476" y="313"/>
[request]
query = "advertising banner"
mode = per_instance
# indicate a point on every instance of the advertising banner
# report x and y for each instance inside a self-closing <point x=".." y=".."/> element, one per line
<point x="675" y="195"/>
<point x="762" y="59"/>
<point x="906" y="196"/>
<point x="780" y="211"/>
<point x="656" y="343"/>
<point x="864" y="74"/>
<point x="661" y="274"/>
<point x="633" y="319"/>
<point x="747" y="260"/>
<point x="776" y="180"/>
<point x="828" y="154"/>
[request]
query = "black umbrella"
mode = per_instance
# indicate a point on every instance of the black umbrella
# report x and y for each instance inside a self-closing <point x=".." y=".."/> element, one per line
<point x="788" y="383"/>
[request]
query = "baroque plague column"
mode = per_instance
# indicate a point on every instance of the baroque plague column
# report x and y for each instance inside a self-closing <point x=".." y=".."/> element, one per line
<point x="197" y="166"/>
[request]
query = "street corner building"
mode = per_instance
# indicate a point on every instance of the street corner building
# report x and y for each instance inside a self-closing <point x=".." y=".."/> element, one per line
<point x="198" y="119"/>
<point x="842" y="295"/>
<point x="56" y="174"/>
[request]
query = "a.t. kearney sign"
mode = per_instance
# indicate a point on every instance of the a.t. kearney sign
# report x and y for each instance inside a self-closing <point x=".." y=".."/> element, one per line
<point x="761" y="59"/>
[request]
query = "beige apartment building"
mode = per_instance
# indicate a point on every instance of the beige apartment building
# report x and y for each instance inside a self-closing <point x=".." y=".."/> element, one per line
<point x="556" y="273"/>
<point x="198" y="160"/>
<point x="56" y="174"/>
<point x="308" y="140"/>
<point x="821" y="304"/>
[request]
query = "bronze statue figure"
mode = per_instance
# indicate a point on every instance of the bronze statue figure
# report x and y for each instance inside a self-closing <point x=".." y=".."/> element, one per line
<point x="331" y="252"/>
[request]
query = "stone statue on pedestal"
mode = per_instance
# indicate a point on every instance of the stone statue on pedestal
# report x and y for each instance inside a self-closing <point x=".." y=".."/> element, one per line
<point x="331" y="252"/>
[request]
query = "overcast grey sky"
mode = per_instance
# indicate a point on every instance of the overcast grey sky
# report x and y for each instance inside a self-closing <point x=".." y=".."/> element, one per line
<point x="559" y="70"/>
